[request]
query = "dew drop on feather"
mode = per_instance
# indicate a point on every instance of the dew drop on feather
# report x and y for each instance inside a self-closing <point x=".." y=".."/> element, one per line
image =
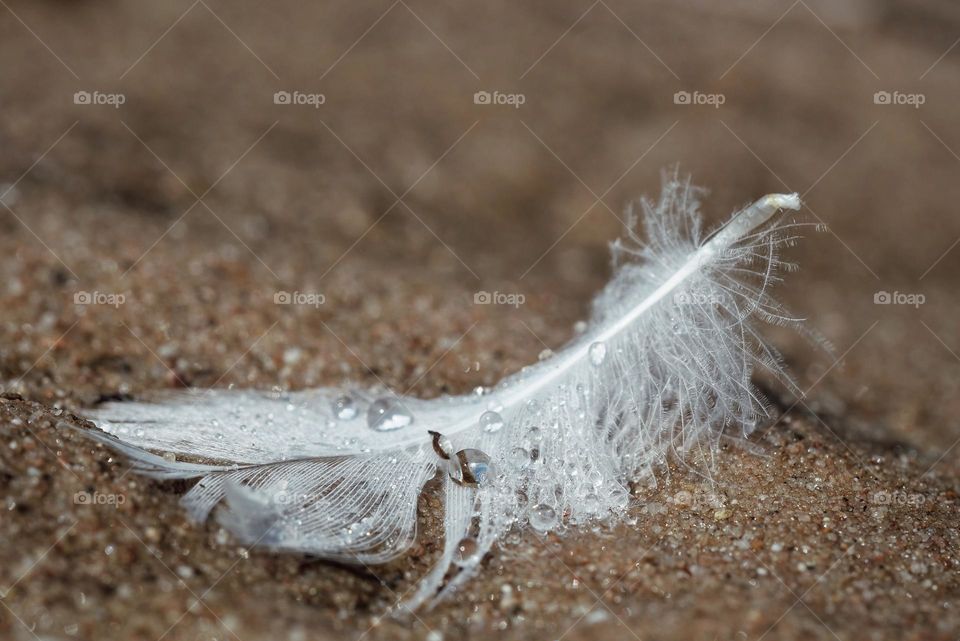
<point x="471" y="467"/>
<point x="519" y="458"/>
<point x="543" y="517"/>
<point x="491" y="422"/>
<point x="598" y="352"/>
<point x="388" y="414"/>
<point x="345" y="407"/>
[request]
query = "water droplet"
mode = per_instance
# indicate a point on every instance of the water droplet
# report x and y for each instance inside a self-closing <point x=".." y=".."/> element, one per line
<point x="543" y="517"/>
<point x="591" y="503"/>
<point x="345" y="407"/>
<point x="580" y="327"/>
<point x="466" y="552"/>
<point x="387" y="414"/>
<point x="471" y="467"/>
<point x="491" y="422"/>
<point x="519" y="458"/>
<point x="545" y="354"/>
<point x="139" y="432"/>
<point x="598" y="352"/>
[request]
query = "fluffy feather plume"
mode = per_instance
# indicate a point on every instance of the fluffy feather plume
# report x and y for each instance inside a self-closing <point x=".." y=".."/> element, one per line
<point x="664" y="366"/>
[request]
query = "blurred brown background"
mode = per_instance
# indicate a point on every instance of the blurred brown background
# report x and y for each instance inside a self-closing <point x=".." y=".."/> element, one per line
<point x="199" y="198"/>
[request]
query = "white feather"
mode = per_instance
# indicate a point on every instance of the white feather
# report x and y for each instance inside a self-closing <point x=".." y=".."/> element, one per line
<point x="664" y="366"/>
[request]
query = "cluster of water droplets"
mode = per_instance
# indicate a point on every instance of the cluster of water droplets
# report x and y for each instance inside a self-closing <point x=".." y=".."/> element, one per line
<point x="384" y="414"/>
<point x="552" y="474"/>
<point x="539" y="478"/>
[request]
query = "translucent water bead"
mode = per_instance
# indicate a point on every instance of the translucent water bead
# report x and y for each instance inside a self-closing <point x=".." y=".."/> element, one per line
<point x="597" y="353"/>
<point x="491" y="422"/>
<point x="388" y="414"/>
<point x="543" y="517"/>
<point x="345" y="408"/>
<point x="470" y="467"/>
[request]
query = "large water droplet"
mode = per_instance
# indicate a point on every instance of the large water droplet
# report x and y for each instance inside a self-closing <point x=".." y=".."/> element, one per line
<point x="387" y="414"/>
<point x="345" y="407"/>
<point x="471" y="467"/>
<point x="598" y="352"/>
<point x="543" y="517"/>
<point x="491" y="422"/>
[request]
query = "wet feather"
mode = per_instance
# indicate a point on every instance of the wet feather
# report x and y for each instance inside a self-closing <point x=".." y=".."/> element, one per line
<point x="664" y="367"/>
